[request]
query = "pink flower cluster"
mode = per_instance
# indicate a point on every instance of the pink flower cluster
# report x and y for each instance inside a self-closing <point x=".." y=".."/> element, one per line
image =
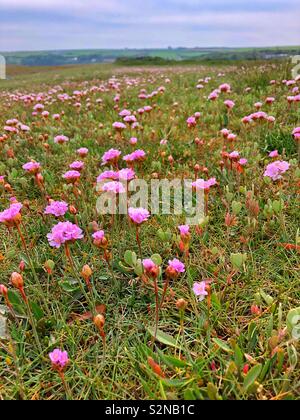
<point x="64" y="232"/>
<point x="11" y="214"/>
<point x="59" y="359"/>
<point x="136" y="156"/>
<point x="201" y="184"/>
<point x="138" y="215"/>
<point x="275" y="169"/>
<point x="111" y="156"/>
<point x="56" y="208"/>
<point x="32" y="167"/>
<point x="176" y="265"/>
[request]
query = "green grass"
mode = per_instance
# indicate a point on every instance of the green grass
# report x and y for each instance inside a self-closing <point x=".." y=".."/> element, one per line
<point x="208" y="358"/>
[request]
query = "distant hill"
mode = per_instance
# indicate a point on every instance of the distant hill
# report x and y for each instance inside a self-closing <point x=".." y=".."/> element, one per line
<point x="143" y="56"/>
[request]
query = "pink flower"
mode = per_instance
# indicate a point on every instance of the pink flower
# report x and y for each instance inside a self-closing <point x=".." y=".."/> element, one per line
<point x="126" y="174"/>
<point x="57" y="208"/>
<point x="225" y="87"/>
<point x="137" y="155"/>
<point x="270" y="100"/>
<point x="111" y="156"/>
<point x="71" y="176"/>
<point x="64" y="232"/>
<point x="234" y="155"/>
<point x="125" y="113"/>
<point x="148" y="264"/>
<point x="77" y="165"/>
<point x="243" y="162"/>
<point x="32" y="167"/>
<point x="119" y="126"/>
<point x="99" y="235"/>
<point x="133" y="141"/>
<point x="176" y="265"/>
<point x="199" y="289"/>
<point x="61" y="139"/>
<point x="191" y="121"/>
<point x="275" y="169"/>
<point x="201" y="184"/>
<point x="274" y="154"/>
<point x="225" y="132"/>
<point x="83" y="152"/>
<point x="184" y="230"/>
<point x="114" y="187"/>
<point x="11" y="215"/>
<point x="59" y="359"/>
<point x="107" y="175"/>
<point x="138" y="215"/>
<point x="229" y="104"/>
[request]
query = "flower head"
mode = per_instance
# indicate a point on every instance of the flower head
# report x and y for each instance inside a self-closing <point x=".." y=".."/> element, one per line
<point x="12" y="215"/>
<point x="71" y="176"/>
<point x="275" y="169"/>
<point x="184" y="230"/>
<point x="138" y="215"/>
<point x="61" y="139"/>
<point x="111" y="156"/>
<point x="59" y="359"/>
<point x="56" y="208"/>
<point x="64" y="232"/>
<point x="77" y="165"/>
<point x="114" y="187"/>
<point x="175" y="268"/>
<point x="32" y="167"/>
<point x="199" y="289"/>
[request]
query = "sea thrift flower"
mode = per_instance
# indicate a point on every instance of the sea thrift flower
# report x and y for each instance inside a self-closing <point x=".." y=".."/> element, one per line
<point x="59" y="359"/>
<point x="243" y="162"/>
<point x="119" y="126"/>
<point x="234" y="155"/>
<point x="133" y="141"/>
<point x="229" y="104"/>
<point x="184" y="230"/>
<point x="61" y="139"/>
<point x="72" y="176"/>
<point x="114" y="187"/>
<point x="151" y="269"/>
<point x="199" y="289"/>
<point x="275" y="169"/>
<point x="274" y="154"/>
<point x="32" y="167"/>
<point x="191" y="122"/>
<point x="201" y="184"/>
<point x="107" y="175"/>
<point x="111" y="156"/>
<point x="138" y="215"/>
<point x="126" y="174"/>
<point x="77" y="165"/>
<point x="225" y="87"/>
<point x="175" y="268"/>
<point x="83" y="152"/>
<point x="136" y="156"/>
<point x="12" y="215"/>
<point x="63" y="233"/>
<point x="100" y="240"/>
<point x="56" y="208"/>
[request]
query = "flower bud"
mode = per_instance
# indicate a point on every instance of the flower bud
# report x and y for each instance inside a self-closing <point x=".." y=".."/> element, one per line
<point x="17" y="280"/>
<point x="22" y="266"/>
<point x="99" y="321"/>
<point x="49" y="266"/>
<point x="86" y="273"/>
<point x="181" y="304"/>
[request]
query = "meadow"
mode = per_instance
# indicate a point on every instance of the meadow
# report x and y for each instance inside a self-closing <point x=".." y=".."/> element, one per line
<point x="144" y="306"/>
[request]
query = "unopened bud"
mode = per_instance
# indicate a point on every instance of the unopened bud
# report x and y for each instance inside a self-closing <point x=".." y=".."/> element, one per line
<point x="99" y="321"/>
<point x="181" y="304"/>
<point x="17" y="280"/>
<point x="22" y="266"/>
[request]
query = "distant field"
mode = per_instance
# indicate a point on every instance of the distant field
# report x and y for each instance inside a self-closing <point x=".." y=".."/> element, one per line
<point x="69" y="57"/>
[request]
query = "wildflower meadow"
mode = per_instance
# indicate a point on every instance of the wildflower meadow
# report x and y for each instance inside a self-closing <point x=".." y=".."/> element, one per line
<point x="193" y="295"/>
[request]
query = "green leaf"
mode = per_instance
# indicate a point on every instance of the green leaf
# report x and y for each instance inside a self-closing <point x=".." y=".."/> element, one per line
<point x="293" y="323"/>
<point x="251" y="376"/>
<point x="222" y="345"/>
<point x="162" y="337"/>
<point x="156" y="258"/>
<point x="130" y="258"/>
<point x="37" y="311"/>
<point x="172" y="361"/>
<point x="70" y="287"/>
<point x="16" y="302"/>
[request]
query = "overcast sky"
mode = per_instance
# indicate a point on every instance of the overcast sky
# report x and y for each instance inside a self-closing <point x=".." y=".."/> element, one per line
<point x="69" y="24"/>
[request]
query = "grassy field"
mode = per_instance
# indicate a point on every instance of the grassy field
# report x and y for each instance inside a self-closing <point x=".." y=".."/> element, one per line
<point x="240" y="341"/>
<point x="69" y="57"/>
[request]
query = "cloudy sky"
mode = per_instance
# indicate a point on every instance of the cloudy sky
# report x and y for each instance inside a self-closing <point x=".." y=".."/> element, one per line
<point x="68" y="24"/>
